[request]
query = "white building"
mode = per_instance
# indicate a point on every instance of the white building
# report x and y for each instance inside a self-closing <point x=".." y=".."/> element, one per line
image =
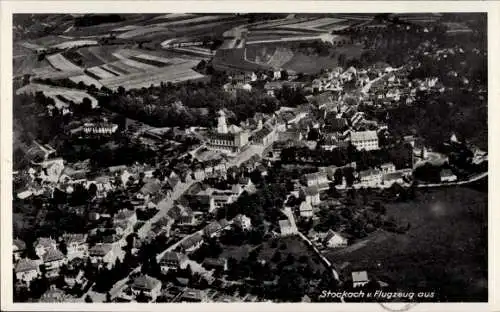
<point x="27" y="270"/>
<point x="334" y="240"/>
<point x="77" y="246"/>
<point x="306" y="210"/>
<point x="359" y="279"/>
<point x="367" y="140"/>
<point x="370" y="178"/>
<point x="150" y="286"/>
<point x="227" y="139"/>
<point x="447" y="176"/>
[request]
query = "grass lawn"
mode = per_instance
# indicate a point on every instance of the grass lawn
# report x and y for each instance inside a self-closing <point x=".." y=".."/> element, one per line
<point x="445" y="250"/>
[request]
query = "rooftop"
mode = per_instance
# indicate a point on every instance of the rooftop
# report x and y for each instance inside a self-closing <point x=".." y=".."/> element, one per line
<point x="145" y="282"/>
<point x="359" y="276"/>
<point x="364" y="135"/>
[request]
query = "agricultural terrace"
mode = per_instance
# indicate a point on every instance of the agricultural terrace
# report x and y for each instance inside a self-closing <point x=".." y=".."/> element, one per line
<point x="174" y="73"/>
<point x="61" y="96"/>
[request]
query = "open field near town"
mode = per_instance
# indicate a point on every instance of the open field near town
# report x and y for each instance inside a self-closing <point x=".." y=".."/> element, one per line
<point x="448" y="230"/>
<point x="60" y="62"/>
<point x="175" y="73"/>
<point x="76" y="96"/>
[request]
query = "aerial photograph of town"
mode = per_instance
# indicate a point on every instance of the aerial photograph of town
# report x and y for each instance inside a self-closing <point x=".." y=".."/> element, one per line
<point x="249" y="157"/>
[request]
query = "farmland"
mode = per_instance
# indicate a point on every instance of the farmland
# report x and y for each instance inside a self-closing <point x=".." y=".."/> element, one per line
<point x="173" y="73"/>
<point x="59" y="62"/>
<point x="56" y="93"/>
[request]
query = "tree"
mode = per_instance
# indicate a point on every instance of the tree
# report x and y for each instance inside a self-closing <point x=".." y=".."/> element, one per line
<point x="88" y="299"/>
<point x="86" y="105"/>
<point x="108" y="297"/>
<point x="63" y="247"/>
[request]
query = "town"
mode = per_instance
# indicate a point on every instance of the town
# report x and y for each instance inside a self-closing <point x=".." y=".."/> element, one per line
<point x="245" y="157"/>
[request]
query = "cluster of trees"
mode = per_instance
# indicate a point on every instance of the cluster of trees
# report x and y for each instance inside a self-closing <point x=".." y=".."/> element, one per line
<point x="190" y="104"/>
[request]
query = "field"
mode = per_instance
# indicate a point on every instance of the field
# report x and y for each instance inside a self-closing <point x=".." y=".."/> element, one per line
<point x="74" y="44"/>
<point x="56" y="92"/>
<point x="59" y="62"/>
<point x="445" y="249"/>
<point x="173" y="73"/>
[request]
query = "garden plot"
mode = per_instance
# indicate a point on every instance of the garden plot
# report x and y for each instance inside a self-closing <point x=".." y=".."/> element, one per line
<point x="60" y="62"/>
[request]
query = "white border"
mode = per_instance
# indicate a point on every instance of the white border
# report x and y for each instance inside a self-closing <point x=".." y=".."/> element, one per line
<point x="7" y="8"/>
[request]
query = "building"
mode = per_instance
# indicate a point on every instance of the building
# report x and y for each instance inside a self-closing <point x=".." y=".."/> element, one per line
<point x="43" y="244"/>
<point x="27" y="270"/>
<point x="306" y="210"/>
<point x="227" y="139"/>
<point x="310" y="195"/>
<point x="193" y="295"/>
<point x="124" y="222"/>
<point x="103" y="253"/>
<point x="317" y="179"/>
<point x="172" y="261"/>
<point x="447" y="176"/>
<point x="53" y="259"/>
<point x="287" y="228"/>
<point x="149" y="286"/>
<point x="388" y="168"/>
<point x="103" y="128"/>
<point x="18" y="247"/>
<point x="212" y="229"/>
<point x="192" y="243"/>
<point x="359" y="279"/>
<point x="215" y="264"/>
<point x="244" y="222"/>
<point x="370" y="177"/>
<point x="265" y="136"/>
<point x="367" y="140"/>
<point x="76" y="244"/>
<point x="334" y="240"/>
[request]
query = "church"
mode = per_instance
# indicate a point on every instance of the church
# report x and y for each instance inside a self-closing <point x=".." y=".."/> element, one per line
<point x="229" y="139"/>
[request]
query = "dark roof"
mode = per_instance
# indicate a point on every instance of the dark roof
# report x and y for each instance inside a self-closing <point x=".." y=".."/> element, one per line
<point x="26" y="265"/>
<point x="53" y="255"/>
<point x="145" y="282"/>
<point x="221" y="136"/>
<point x="74" y="238"/>
<point x="212" y="227"/>
<point x="100" y="250"/>
<point x="191" y="241"/>
<point x="336" y="124"/>
<point x="172" y="256"/>
<point x="150" y="187"/>
<point x="262" y="133"/>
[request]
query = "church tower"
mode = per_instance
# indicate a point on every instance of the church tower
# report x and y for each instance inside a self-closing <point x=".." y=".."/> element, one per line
<point x="221" y="122"/>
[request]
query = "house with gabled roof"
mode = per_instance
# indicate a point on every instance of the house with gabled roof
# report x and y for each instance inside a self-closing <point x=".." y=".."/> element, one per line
<point x="27" y="270"/>
<point x="103" y="253"/>
<point x="53" y="259"/>
<point x="149" y="286"/>
<point x="43" y="244"/>
<point x="212" y="229"/>
<point x="334" y="240"/>
<point x="192" y="242"/>
<point x="310" y="195"/>
<point x="306" y="210"/>
<point x="172" y="260"/>
<point x="76" y="244"/>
